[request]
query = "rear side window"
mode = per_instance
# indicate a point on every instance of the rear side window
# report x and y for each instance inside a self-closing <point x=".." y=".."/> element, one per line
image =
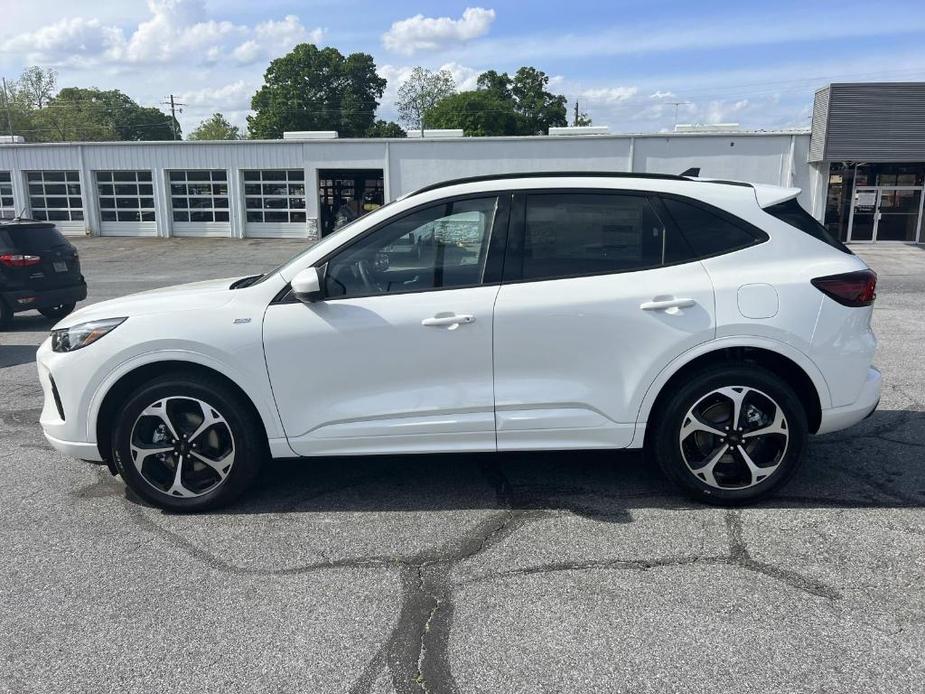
<point x="707" y="232"/>
<point x="791" y="212"/>
<point x="575" y="234"/>
<point x="26" y="238"/>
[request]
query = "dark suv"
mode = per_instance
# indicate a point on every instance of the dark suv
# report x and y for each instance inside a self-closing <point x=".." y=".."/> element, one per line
<point x="39" y="269"/>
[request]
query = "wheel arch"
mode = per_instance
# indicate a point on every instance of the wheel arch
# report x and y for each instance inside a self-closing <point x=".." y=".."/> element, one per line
<point x="132" y="379"/>
<point x="799" y="372"/>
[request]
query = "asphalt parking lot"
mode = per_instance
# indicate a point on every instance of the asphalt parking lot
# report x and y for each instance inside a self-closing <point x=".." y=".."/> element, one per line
<point x="577" y="572"/>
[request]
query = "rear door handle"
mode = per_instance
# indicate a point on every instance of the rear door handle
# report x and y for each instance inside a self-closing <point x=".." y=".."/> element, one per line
<point x="662" y="304"/>
<point x="453" y="320"/>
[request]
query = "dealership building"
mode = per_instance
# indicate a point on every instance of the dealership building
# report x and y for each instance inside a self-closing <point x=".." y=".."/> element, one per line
<point x="860" y="167"/>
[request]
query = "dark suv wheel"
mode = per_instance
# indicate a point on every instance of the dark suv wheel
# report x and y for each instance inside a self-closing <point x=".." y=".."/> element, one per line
<point x="6" y="315"/>
<point x="730" y="434"/>
<point x="187" y="445"/>
<point x="56" y="313"/>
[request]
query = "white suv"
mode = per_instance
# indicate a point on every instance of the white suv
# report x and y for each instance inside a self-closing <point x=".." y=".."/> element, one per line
<point x="713" y="322"/>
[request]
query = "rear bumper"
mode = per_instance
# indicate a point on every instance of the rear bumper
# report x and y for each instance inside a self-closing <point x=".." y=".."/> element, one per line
<point x="837" y="418"/>
<point x="27" y="299"/>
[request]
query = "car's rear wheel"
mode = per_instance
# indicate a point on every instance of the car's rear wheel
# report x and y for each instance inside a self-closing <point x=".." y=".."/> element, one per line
<point x="6" y="315"/>
<point x="731" y="434"/>
<point x="57" y="312"/>
<point x="187" y="445"/>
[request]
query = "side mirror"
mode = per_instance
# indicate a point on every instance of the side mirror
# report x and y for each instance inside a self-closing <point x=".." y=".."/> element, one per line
<point x="306" y="286"/>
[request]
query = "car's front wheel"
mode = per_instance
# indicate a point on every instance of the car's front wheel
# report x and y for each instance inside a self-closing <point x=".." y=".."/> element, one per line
<point x="730" y="434"/>
<point x="187" y="445"/>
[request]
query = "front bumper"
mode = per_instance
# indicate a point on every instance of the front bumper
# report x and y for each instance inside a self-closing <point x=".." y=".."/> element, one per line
<point x="28" y="299"/>
<point x="68" y="433"/>
<point x="837" y="418"/>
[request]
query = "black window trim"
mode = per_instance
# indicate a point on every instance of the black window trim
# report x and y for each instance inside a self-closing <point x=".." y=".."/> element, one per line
<point x="494" y="263"/>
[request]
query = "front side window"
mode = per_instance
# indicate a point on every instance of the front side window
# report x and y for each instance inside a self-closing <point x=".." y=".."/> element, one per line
<point x="437" y="247"/>
<point x="575" y="234"/>
<point x="55" y="195"/>
<point x="125" y="196"/>
<point x="708" y="233"/>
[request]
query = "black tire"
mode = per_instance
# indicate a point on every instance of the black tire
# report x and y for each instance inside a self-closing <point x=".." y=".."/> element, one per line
<point x="56" y="313"/>
<point x="786" y="449"/>
<point x="249" y="444"/>
<point x="6" y="315"/>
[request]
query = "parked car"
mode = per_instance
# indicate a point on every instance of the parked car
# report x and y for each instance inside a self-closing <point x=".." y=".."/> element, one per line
<point x="39" y="269"/>
<point x="714" y="323"/>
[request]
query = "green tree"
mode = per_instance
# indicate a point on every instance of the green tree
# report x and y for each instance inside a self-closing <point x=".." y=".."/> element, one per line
<point x="537" y="108"/>
<point x="98" y="115"/>
<point x="420" y="93"/>
<point x="478" y="113"/>
<point x="383" y="128"/>
<point x="316" y="89"/>
<point x="36" y="86"/>
<point x="216" y="127"/>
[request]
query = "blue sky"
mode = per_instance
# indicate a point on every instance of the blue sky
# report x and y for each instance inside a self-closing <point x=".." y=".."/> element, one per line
<point x="627" y="63"/>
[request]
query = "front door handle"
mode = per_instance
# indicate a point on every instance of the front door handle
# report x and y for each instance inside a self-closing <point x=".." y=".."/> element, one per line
<point x="662" y="304"/>
<point x="453" y="320"/>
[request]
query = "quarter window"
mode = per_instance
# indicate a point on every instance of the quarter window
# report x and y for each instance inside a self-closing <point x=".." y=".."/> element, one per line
<point x="437" y="247"/>
<point x="574" y="234"/>
<point x="707" y="232"/>
<point x="199" y="196"/>
<point x="275" y="195"/>
<point x="7" y="207"/>
<point x="125" y="196"/>
<point x="55" y="195"/>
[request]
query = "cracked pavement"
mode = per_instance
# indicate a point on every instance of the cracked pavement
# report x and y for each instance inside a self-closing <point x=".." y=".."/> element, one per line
<point x="571" y="572"/>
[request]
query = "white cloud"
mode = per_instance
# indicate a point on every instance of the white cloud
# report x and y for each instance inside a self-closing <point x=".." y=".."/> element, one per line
<point x="609" y="95"/>
<point x="174" y="31"/>
<point x="234" y="96"/>
<point x="657" y="94"/>
<point x="420" y="33"/>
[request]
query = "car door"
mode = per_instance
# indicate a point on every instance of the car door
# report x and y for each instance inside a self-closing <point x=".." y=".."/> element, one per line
<point x="597" y="298"/>
<point x="397" y="356"/>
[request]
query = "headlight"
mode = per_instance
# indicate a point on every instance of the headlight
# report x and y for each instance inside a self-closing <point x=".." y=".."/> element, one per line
<point x="82" y="334"/>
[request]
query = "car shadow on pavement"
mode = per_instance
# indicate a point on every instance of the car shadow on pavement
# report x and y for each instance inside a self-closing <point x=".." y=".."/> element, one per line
<point x="879" y="463"/>
<point x="30" y="322"/>
<point x="14" y="355"/>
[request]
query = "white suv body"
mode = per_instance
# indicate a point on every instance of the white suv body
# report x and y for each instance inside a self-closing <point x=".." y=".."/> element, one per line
<point x="505" y="313"/>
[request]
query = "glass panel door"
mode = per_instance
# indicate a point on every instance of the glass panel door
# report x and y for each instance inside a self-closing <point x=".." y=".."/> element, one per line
<point x="863" y="214"/>
<point x="898" y="214"/>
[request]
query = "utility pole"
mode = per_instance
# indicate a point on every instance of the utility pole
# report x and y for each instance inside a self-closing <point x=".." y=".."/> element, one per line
<point x="173" y="115"/>
<point x="6" y="102"/>
<point x="575" y="123"/>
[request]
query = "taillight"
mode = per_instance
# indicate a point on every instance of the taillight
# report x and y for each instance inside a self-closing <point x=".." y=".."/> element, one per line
<point x="851" y="288"/>
<point x="19" y="260"/>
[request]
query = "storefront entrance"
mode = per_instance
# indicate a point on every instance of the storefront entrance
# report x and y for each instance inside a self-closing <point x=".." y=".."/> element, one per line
<point x="344" y="195"/>
<point x="886" y="213"/>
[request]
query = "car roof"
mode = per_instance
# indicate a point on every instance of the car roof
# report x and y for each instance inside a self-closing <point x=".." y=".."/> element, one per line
<point x="19" y="223"/>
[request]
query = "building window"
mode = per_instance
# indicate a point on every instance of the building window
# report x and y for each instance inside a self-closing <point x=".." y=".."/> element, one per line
<point x="7" y="208"/>
<point x="275" y="195"/>
<point x="55" y="195"/>
<point x="125" y="196"/>
<point x="199" y="196"/>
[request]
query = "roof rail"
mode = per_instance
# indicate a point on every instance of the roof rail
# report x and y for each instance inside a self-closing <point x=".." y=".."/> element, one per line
<point x="546" y="174"/>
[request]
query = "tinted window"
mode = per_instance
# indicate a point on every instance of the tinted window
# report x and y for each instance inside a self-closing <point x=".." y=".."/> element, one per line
<point x="30" y="238"/>
<point x="796" y="216"/>
<point x="573" y="234"/>
<point x="441" y="246"/>
<point x="707" y="232"/>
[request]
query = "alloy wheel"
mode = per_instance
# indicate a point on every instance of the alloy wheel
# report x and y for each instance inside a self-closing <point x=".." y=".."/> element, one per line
<point x="734" y="437"/>
<point x="182" y="446"/>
